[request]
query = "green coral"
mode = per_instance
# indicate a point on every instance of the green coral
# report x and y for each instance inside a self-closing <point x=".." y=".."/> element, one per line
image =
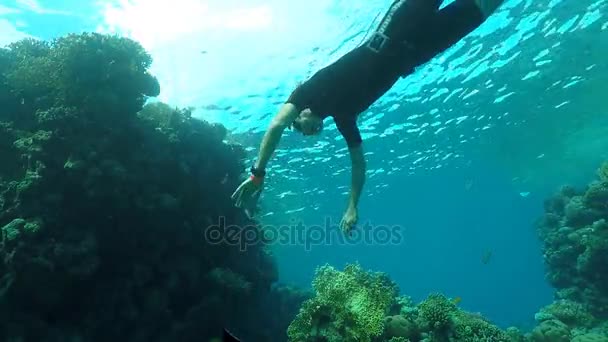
<point x="105" y="76"/>
<point x="11" y="231"/>
<point x="399" y="339"/>
<point x="470" y="327"/>
<point x="551" y="331"/>
<point x="405" y="306"/>
<point x="596" y="196"/>
<point x="571" y="313"/>
<point x="515" y="335"/>
<point x="19" y="228"/>
<point x="435" y="313"/>
<point x="590" y="337"/>
<point x="349" y="305"/>
<point x="32" y="143"/>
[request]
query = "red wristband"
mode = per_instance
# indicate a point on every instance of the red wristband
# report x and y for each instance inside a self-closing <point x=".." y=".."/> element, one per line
<point x="256" y="180"/>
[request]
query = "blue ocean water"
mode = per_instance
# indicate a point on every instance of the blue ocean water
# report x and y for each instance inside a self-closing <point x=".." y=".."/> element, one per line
<point x="461" y="154"/>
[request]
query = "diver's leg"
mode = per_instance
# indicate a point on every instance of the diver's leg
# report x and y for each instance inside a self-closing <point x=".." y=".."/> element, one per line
<point x="454" y="22"/>
<point x="404" y="16"/>
<point x="488" y="7"/>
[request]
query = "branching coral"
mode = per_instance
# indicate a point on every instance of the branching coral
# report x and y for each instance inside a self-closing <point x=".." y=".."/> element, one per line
<point x="470" y="327"/>
<point x="436" y="313"/>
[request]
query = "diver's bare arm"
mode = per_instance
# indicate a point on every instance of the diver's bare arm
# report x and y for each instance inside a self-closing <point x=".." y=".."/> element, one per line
<point x="358" y="175"/>
<point x="282" y="120"/>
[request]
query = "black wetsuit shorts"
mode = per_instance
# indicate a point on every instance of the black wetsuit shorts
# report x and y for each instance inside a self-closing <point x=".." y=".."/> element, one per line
<point x="411" y="33"/>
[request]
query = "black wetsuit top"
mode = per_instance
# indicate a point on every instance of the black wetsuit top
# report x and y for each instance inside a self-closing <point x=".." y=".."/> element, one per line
<point x="416" y="31"/>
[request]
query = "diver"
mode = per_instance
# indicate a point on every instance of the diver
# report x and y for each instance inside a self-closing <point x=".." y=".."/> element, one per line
<point x="410" y="34"/>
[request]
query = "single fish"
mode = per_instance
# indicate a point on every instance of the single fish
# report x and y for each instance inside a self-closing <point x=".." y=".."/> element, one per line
<point x="468" y="185"/>
<point x="486" y="257"/>
<point x="457" y="300"/>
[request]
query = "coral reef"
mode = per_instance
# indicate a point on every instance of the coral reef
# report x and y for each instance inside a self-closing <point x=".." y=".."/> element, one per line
<point x="438" y="318"/>
<point x="568" y="312"/>
<point x="330" y="315"/>
<point x="574" y="232"/>
<point x="551" y="331"/>
<point x="348" y="305"/>
<point x="105" y="206"/>
<point x="343" y="298"/>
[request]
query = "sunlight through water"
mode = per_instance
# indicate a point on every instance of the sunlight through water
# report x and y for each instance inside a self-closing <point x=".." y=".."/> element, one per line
<point x="530" y="68"/>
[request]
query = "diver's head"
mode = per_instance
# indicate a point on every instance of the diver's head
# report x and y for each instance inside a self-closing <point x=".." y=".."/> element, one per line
<point x="308" y="123"/>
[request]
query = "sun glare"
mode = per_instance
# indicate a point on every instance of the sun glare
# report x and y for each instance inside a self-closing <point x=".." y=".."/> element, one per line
<point x="154" y="22"/>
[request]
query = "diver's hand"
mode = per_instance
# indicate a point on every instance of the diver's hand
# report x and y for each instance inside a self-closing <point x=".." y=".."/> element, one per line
<point x="349" y="220"/>
<point x="247" y="194"/>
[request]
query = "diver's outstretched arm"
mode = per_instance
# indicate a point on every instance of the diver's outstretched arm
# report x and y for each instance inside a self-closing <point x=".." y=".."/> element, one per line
<point x="284" y="118"/>
<point x="246" y="196"/>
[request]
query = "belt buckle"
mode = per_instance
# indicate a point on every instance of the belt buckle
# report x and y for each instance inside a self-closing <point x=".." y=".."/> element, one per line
<point x="377" y="42"/>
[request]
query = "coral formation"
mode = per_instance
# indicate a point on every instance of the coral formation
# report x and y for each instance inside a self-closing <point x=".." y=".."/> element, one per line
<point x="568" y="312"/>
<point x="574" y="232"/>
<point x="551" y="331"/>
<point x="342" y="298"/>
<point x="590" y="337"/>
<point x="328" y="316"/>
<point x="474" y="327"/>
<point x="435" y="313"/>
<point x="348" y="305"/>
<point x="105" y="203"/>
<point x="399" y="326"/>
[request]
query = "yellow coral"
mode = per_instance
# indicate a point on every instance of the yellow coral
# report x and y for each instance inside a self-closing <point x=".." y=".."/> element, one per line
<point x="349" y="305"/>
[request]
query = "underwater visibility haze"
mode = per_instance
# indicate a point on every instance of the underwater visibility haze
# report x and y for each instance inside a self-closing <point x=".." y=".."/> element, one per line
<point x="126" y="125"/>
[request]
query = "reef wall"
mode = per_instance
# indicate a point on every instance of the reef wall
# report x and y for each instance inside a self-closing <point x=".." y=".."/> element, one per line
<point x="106" y="204"/>
<point x="574" y="231"/>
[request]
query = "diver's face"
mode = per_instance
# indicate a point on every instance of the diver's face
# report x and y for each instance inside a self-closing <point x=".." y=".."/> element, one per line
<point x="308" y="123"/>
